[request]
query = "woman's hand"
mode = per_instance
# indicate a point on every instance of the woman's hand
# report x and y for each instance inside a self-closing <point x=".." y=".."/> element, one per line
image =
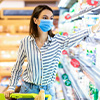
<point x="96" y="27"/>
<point x="41" y="96"/>
<point x="7" y="93"/>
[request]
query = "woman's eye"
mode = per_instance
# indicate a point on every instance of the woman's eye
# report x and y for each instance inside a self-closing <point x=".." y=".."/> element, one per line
<point x="44" y="17"/>
<point x="51" y="18"/>
<point x="47" y="18"/>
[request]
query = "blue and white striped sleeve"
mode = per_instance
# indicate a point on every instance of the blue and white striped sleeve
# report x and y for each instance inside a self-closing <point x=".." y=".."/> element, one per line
<point x="73" y="39"/>
<point x="17" y="69"/>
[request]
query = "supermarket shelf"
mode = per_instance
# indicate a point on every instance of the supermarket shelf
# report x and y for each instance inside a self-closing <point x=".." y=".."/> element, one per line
<point x="75" y="85"/>
<point x="91" y="72"/>
<point x="11" y="47"/>
<point x="63" y="87"/>
<point x="20" y="13"/>
<point x="27" y="17"/>
<point x="84" y="11"/>
<point x="14" y="22"/>
<point x="41" y="0"/>
<point x="5" y="73"/>
<point x="18" y="33"/>
<point x="10" y="60"/>
<point x="66" y="3"/>
<point x="97" y="38"/>
<point x="97" y="35"/>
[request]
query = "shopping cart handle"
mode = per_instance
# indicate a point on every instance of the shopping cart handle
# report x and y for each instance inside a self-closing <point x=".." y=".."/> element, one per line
<point x="27" y="95"/>
<point x="23" y="95"/>
<point x="2" y="97"/>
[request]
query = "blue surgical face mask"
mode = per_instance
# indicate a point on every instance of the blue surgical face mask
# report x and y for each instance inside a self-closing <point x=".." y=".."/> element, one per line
<point x="46" y="25"/>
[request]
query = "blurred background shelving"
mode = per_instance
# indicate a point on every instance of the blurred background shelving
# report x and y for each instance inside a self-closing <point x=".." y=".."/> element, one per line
<point x="14" y="25"/>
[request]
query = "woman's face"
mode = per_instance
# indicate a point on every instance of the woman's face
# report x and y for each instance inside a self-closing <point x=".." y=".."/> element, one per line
<point x="45" y="14"/>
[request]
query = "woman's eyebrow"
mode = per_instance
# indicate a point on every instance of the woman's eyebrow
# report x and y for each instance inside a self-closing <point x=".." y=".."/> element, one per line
<point x="52" y="16"/>
<point x="47" y="15"/>
<point x="44" y="15"/>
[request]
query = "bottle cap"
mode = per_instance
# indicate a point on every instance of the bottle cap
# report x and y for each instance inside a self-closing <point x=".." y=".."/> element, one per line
<point x="60" y="65"/>
<point x="75" y="63"/>
<point x="64" y="76"/>
<point x="67" y="82"/>
<point x="64" y="52"/>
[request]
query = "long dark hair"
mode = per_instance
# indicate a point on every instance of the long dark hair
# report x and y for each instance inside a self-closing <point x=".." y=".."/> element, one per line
<point x="33" y="27"/>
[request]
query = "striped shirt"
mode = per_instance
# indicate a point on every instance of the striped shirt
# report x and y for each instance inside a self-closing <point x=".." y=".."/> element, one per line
<point x="42" y="63"/>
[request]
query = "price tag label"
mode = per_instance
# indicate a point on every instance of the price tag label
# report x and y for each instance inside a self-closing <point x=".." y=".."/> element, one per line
<point x="92" y="2"/>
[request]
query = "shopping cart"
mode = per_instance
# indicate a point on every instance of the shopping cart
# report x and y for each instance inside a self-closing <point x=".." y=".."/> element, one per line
<point x="22" y="95"/>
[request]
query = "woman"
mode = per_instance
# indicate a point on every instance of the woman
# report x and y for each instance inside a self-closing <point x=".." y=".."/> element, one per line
<point x="42" y="49"/>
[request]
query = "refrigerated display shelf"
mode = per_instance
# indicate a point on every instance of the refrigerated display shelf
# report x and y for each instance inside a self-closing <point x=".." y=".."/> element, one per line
<point x="92" y="72"/>
<point x="63" y="87"/>
<point x="97" y="38"/>
<point x="92" y="68"/>
<point x="84" y="11"/>
<point x="75" y="85"/>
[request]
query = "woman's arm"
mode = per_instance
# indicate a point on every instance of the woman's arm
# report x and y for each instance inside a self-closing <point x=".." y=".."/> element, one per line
<point x="17" y="69"/>
<point x="75" y="38"/>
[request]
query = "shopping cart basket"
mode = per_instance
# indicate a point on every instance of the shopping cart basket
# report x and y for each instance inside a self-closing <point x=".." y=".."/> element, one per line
<point x="23" y="95"/>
